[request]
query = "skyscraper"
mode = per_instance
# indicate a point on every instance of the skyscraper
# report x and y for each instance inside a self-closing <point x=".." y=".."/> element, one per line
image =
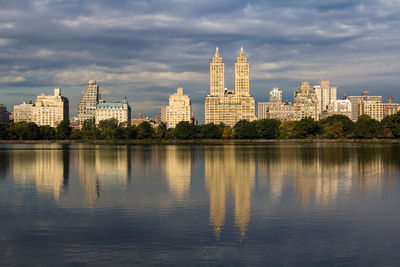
<point x="229" y="106"/>
<point x="305" y="102"/>
<point x="179" y="109"/>
<point x="89" y="100"/>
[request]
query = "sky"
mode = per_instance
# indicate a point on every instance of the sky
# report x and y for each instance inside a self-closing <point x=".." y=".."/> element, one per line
<point x="144" y="50"/>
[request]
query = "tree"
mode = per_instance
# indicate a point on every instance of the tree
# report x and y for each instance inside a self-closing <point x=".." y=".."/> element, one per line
<point x="346" y="123"/>
<point x="210" y="131"/>
<point x="227" y="132"/>
<point x="108" y="128"/>
<point x="131" y="132"/>
<point x="268" y="128"/>
<point x="366" y="127"/>
<point x="244" y="129"/>
<point x="47" y="132"/>
<point x="334" y="130"/>
<point x="306" y="127"/>
<point x="161" y="131"/>
<point x="392" y="123"/>
<point x="185" y="130"/>
<point x="287" y="129"/>
<point x="63" y="130"/>
<point x="89" y="130"/>
<point x="145" y="130"/>
<point x="4" y="131"/>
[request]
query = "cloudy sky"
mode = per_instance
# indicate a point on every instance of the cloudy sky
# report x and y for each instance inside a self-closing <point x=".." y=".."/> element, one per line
<point x="144" y="50"/>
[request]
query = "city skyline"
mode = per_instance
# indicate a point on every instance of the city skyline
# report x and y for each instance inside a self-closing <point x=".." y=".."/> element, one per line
<point x="144" y="50"/>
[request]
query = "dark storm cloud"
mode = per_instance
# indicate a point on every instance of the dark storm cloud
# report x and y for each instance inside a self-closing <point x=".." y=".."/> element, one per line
<point x="146" y="49"/>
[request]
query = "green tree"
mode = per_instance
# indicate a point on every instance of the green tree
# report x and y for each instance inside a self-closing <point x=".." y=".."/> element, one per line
<point x="185" y="130"/>
<point x="210" y="131"/>
<point x="306" y="127"/>
<point x="63" y="130"/>
<point x="89" y="130"/>
<point x="327" y="123"/>
<point x="47" y="132"/>
<point x="244" y="129"/>
<point x="392" y="123"/>
<point x="76" y="134"/>
<point x="131" y="132"/>
<point x="287" y="130"/>
<point x="227" y="132"/>
<point x="333" y="131"/>
<point x="366" y="127"/>
<point x="268" y="128"/>
<point x="161" y="131"/>
<point x="4" y="130"/>
<point x="145" y="130"/>
<point x="108" y="128"/>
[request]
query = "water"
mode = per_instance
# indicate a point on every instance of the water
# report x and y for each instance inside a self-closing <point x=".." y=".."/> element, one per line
<point x="271" y="204"/>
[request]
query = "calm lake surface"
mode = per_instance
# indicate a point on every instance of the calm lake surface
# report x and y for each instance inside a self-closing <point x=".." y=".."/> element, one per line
<point x="262" y="204"/>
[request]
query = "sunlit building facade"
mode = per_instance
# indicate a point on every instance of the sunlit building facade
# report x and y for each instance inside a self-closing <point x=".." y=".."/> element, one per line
<point x="357" y="108"/>
<point x="305" y="102"/>
<point x="88" y="103"/>
<point x="23" y="112"/>
<point x="50" y="109"/>
<point x="229" y="106"/>
<point x="179" y="109"/>
<point x="340" y="107"/>
<point x="119" y="110"/>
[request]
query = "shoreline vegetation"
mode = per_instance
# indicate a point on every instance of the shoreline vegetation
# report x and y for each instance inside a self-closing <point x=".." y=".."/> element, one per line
<point x="333" y="129"/>
<point x="204" y="141"/>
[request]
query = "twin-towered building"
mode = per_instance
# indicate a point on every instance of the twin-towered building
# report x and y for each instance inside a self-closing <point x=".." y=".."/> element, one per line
<point x="229" y="106"/>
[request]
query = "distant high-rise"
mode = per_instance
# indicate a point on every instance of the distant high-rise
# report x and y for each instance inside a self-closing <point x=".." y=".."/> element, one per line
<point x="89" y="100"/>
<point x="4" y="114"/>
<point x="275" y="95"/>
<point x="325" y="94"/>
<point x="373" y="102"/>
<point x="305" y="102"/>
<point x="242" y="75"/>
<point x="179" y="109"/>
<point x="229" y="106"/>
<point x="118" y="110"/>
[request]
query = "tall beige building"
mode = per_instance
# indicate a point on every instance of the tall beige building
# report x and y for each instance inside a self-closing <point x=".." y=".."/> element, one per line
<point x="325" y="94"/>
<point x="305" y="102"/>
<point x="275" y="109"/>
<point x="229" y="106"/>
<point x="340" y="107"/>
<point x="179" y="109"/>
<point x="275" y="95"/>
<point x="47" y="110"/>
<point x="23" y="112"/>
<point x="120" y="111"/>
<point x="89" y="100"/>
<point x="357" y="106"/>
<point x="50" y="109"/>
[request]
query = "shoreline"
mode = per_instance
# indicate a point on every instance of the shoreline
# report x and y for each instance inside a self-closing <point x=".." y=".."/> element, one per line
<point x="201" y="141"/>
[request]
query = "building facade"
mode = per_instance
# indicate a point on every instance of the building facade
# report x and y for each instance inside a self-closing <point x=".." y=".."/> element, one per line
<point x="50" y="109"/>
<point x="23" y="112"/>
<point x="119" y="110"/>
<point x="276" y="110"/>
<point x="356" y="104"/>
<point x="4" y="114"/>
<point x="372" y="108"/>
<point x="340" y="107"/>
<point x="325" y="94"/>
<point x="88" y="103"/>
<point x="179" y="109"/>
<point x="305" y="102"/>
<point x="275" y="95"/>
<point x="229" y="106"/>
<point x="390" y="108"/>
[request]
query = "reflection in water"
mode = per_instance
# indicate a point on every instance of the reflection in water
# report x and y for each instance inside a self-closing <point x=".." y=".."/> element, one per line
<point x="102" y="165"/>
<point x="47" y="169"/>
<point x="229" y="169"/>
<point x="178" y="167"/>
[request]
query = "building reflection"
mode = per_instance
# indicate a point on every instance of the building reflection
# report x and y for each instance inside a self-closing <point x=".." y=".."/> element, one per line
<point x="46" y="169"/>
<point x="229" y="170"/>
<point x="319" y="173"/>
<point x="178" y="167"/>
<point x="102" y="165"/>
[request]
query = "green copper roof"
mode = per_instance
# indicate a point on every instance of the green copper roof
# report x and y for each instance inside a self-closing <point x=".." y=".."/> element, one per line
<point x="109" y="105"/>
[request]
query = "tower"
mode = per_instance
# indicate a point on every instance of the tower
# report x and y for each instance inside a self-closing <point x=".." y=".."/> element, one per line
<point x="217" y="75"/>
<point x="242" y="75"/>
<point x="89" y="100"/>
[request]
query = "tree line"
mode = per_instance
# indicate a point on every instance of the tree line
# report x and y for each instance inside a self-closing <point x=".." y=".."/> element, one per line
<point x="333" y="127"/>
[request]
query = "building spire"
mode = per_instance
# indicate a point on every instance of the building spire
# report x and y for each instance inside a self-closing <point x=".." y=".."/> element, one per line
<point x="241" y="51"/>
<point x="216" y="52"/>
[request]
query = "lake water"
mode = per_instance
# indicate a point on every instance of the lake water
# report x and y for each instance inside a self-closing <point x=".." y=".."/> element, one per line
<point x="262" y="204"/>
